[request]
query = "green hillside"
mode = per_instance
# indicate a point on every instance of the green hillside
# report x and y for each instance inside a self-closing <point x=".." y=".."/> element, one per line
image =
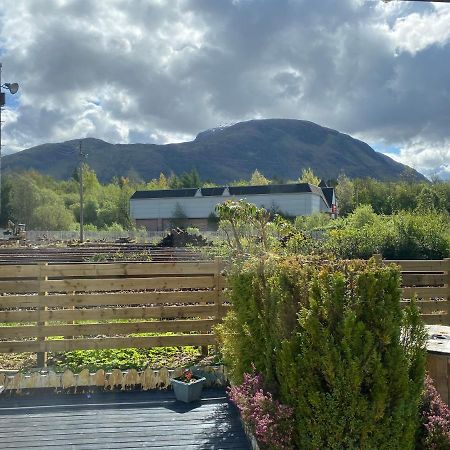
<point x="279" y="148"/>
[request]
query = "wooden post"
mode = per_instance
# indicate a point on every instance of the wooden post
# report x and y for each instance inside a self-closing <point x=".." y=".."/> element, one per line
<point x="217" y="299"/>
<point x="42" y="355"/>
<point x="378" y="258"/>
<point x="447" y="268"/>
<point x="70" y="321"/>
<point x="218" y="289"/>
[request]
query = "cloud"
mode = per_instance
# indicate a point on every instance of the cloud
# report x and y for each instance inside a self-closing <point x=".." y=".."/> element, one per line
<point x="434" y="160"/>
<point x="161" y="71"/>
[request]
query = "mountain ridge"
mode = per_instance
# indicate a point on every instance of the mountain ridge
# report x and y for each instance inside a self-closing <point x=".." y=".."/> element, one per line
<point x="279" y="148"/>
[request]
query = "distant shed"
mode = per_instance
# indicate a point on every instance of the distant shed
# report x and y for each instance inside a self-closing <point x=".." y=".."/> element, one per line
<point x="159" y="210"/>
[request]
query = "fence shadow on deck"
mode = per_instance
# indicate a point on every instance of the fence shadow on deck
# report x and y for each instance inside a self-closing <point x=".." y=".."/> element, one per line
<point x="121" y="420"/>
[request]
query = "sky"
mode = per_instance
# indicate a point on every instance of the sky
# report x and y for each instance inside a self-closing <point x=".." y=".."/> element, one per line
<point x="160" y="71"/>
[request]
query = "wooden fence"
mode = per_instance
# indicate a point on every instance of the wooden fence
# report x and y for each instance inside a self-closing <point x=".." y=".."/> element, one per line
<point x="61" y="307"/>
<point x="430" y="281"/>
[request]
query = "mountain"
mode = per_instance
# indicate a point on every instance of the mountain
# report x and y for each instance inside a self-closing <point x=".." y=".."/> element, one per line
<point x="276" y="147"/>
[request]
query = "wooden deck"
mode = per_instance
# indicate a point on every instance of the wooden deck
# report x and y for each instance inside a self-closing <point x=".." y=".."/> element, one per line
<point x="119" y="420"/>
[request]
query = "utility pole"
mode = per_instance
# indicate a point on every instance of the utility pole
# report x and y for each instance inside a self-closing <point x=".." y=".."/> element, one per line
<point x="2" y="103"/>
<point x="82" y="155"/>
<point x="12" y="88"/>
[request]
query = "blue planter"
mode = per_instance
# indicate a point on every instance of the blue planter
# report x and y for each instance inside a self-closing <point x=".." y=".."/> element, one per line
<point x="188" y="392"/>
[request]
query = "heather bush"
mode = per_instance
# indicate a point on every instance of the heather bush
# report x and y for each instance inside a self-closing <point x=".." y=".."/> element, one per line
<point x="434" y="431"/>
<point x="270" y="421"/>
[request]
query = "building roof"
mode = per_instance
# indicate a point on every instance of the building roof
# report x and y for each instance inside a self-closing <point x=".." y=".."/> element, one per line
<point x="165" y="193"/>
<point x="239" y="191"/>
<point x="212" y="191"/>
<point x="328" y="192"/>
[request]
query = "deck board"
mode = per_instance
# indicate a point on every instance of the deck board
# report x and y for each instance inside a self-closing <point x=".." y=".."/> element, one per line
<point x="120" y="420"/>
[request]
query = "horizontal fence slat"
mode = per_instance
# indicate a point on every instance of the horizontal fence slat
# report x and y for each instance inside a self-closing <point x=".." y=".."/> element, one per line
<point x="63" y="300"/>
<point x="436" y="319"/>
<point x="420" y="265"/>
<point x="19" y="286"/>
<point x="70" y="285"/>
<point x="424" y="292"/>
<point x="428" y="280"/>
<point x="429" y="307"/>
<point x="106" y="343"/>
<point x="130" y="269"/>
<point x="19" y="271"/>
<point x="175" y="326"/>
<point x="148" y="312"/>
<point x="423" y="279"/>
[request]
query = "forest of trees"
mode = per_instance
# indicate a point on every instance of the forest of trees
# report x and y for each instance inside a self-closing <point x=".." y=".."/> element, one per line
<point x="44" y="203"/>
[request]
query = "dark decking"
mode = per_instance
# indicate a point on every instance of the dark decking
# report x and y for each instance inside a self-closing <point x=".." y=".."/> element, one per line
<point x="119" y="420"/>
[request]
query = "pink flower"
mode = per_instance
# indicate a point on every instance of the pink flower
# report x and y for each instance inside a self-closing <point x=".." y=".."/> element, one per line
<point x="270" y="421"/>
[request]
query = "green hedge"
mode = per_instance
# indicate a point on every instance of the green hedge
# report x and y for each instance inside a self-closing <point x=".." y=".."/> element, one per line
<point x="400" y="236"/>
<point x="331" y="340"/>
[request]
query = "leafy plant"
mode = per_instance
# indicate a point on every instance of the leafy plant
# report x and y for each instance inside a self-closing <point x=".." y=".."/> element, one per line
<point x="187" y="376"/>
<point x="125" y="358"/>
<point x="434" y="431"/>
<point x="270" y="421"/>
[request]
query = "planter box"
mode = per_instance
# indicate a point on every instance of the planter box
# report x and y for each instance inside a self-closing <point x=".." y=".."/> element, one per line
<point x="188" y="392"/>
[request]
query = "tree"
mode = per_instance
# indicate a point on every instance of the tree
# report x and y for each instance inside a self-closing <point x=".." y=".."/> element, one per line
<point x="258" y="179"/>
<point x="52" y="217"/>
<point x="429" y="200"/>
<point x="185" y="180"/>
<point x="91" y="184"/>
<point x="345" y="195"/>
<point x="107" y="215"/>
<point x="90" y="211"/>
<point x="6" y="211"/>
<point x="123" y="217"/>
<point x="25" y="198"/>
<point x="308" y="176"/>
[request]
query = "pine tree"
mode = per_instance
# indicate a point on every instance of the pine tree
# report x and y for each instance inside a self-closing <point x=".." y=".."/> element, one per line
<point x="258" y="179"/>
<point x="308" y="176"/>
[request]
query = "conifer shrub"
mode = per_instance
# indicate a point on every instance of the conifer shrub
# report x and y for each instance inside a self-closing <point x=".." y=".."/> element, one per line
<point x="332" y="342"/>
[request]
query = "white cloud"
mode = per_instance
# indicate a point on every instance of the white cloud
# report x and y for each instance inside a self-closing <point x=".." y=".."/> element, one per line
<point x="431" y="159"/>
<point x="157" y="71"/>
<point x="416" y="32"/>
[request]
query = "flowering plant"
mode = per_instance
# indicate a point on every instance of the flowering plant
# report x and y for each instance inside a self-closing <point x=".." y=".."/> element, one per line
<point x="434" y="432"/>
<point x="271" y="422"/>
<point x="187" y="376"/>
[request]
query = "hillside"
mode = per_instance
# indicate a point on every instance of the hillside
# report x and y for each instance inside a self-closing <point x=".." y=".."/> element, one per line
<point x="277" y="147"/>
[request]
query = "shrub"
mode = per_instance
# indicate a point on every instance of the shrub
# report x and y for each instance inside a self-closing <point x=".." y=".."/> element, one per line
<point x="331" y="341"/>
<point x="400" y="236"/>
<point x="434" y="431"/>
<point x="352" y="377"/>
<point x="270" y="421"/>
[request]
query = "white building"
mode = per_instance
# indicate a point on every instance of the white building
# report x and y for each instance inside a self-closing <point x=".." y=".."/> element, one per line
<point x="159" y="210"/>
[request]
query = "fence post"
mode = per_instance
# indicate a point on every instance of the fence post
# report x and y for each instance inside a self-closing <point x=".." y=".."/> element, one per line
<point x="41" y="355"/>
<point x="447" y="268"/>
<point x="378" y="258"/>
<point x="218" y="290"/>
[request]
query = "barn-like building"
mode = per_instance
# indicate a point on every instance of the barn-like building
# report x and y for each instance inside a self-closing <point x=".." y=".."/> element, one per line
<point x="162" y="209"/>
